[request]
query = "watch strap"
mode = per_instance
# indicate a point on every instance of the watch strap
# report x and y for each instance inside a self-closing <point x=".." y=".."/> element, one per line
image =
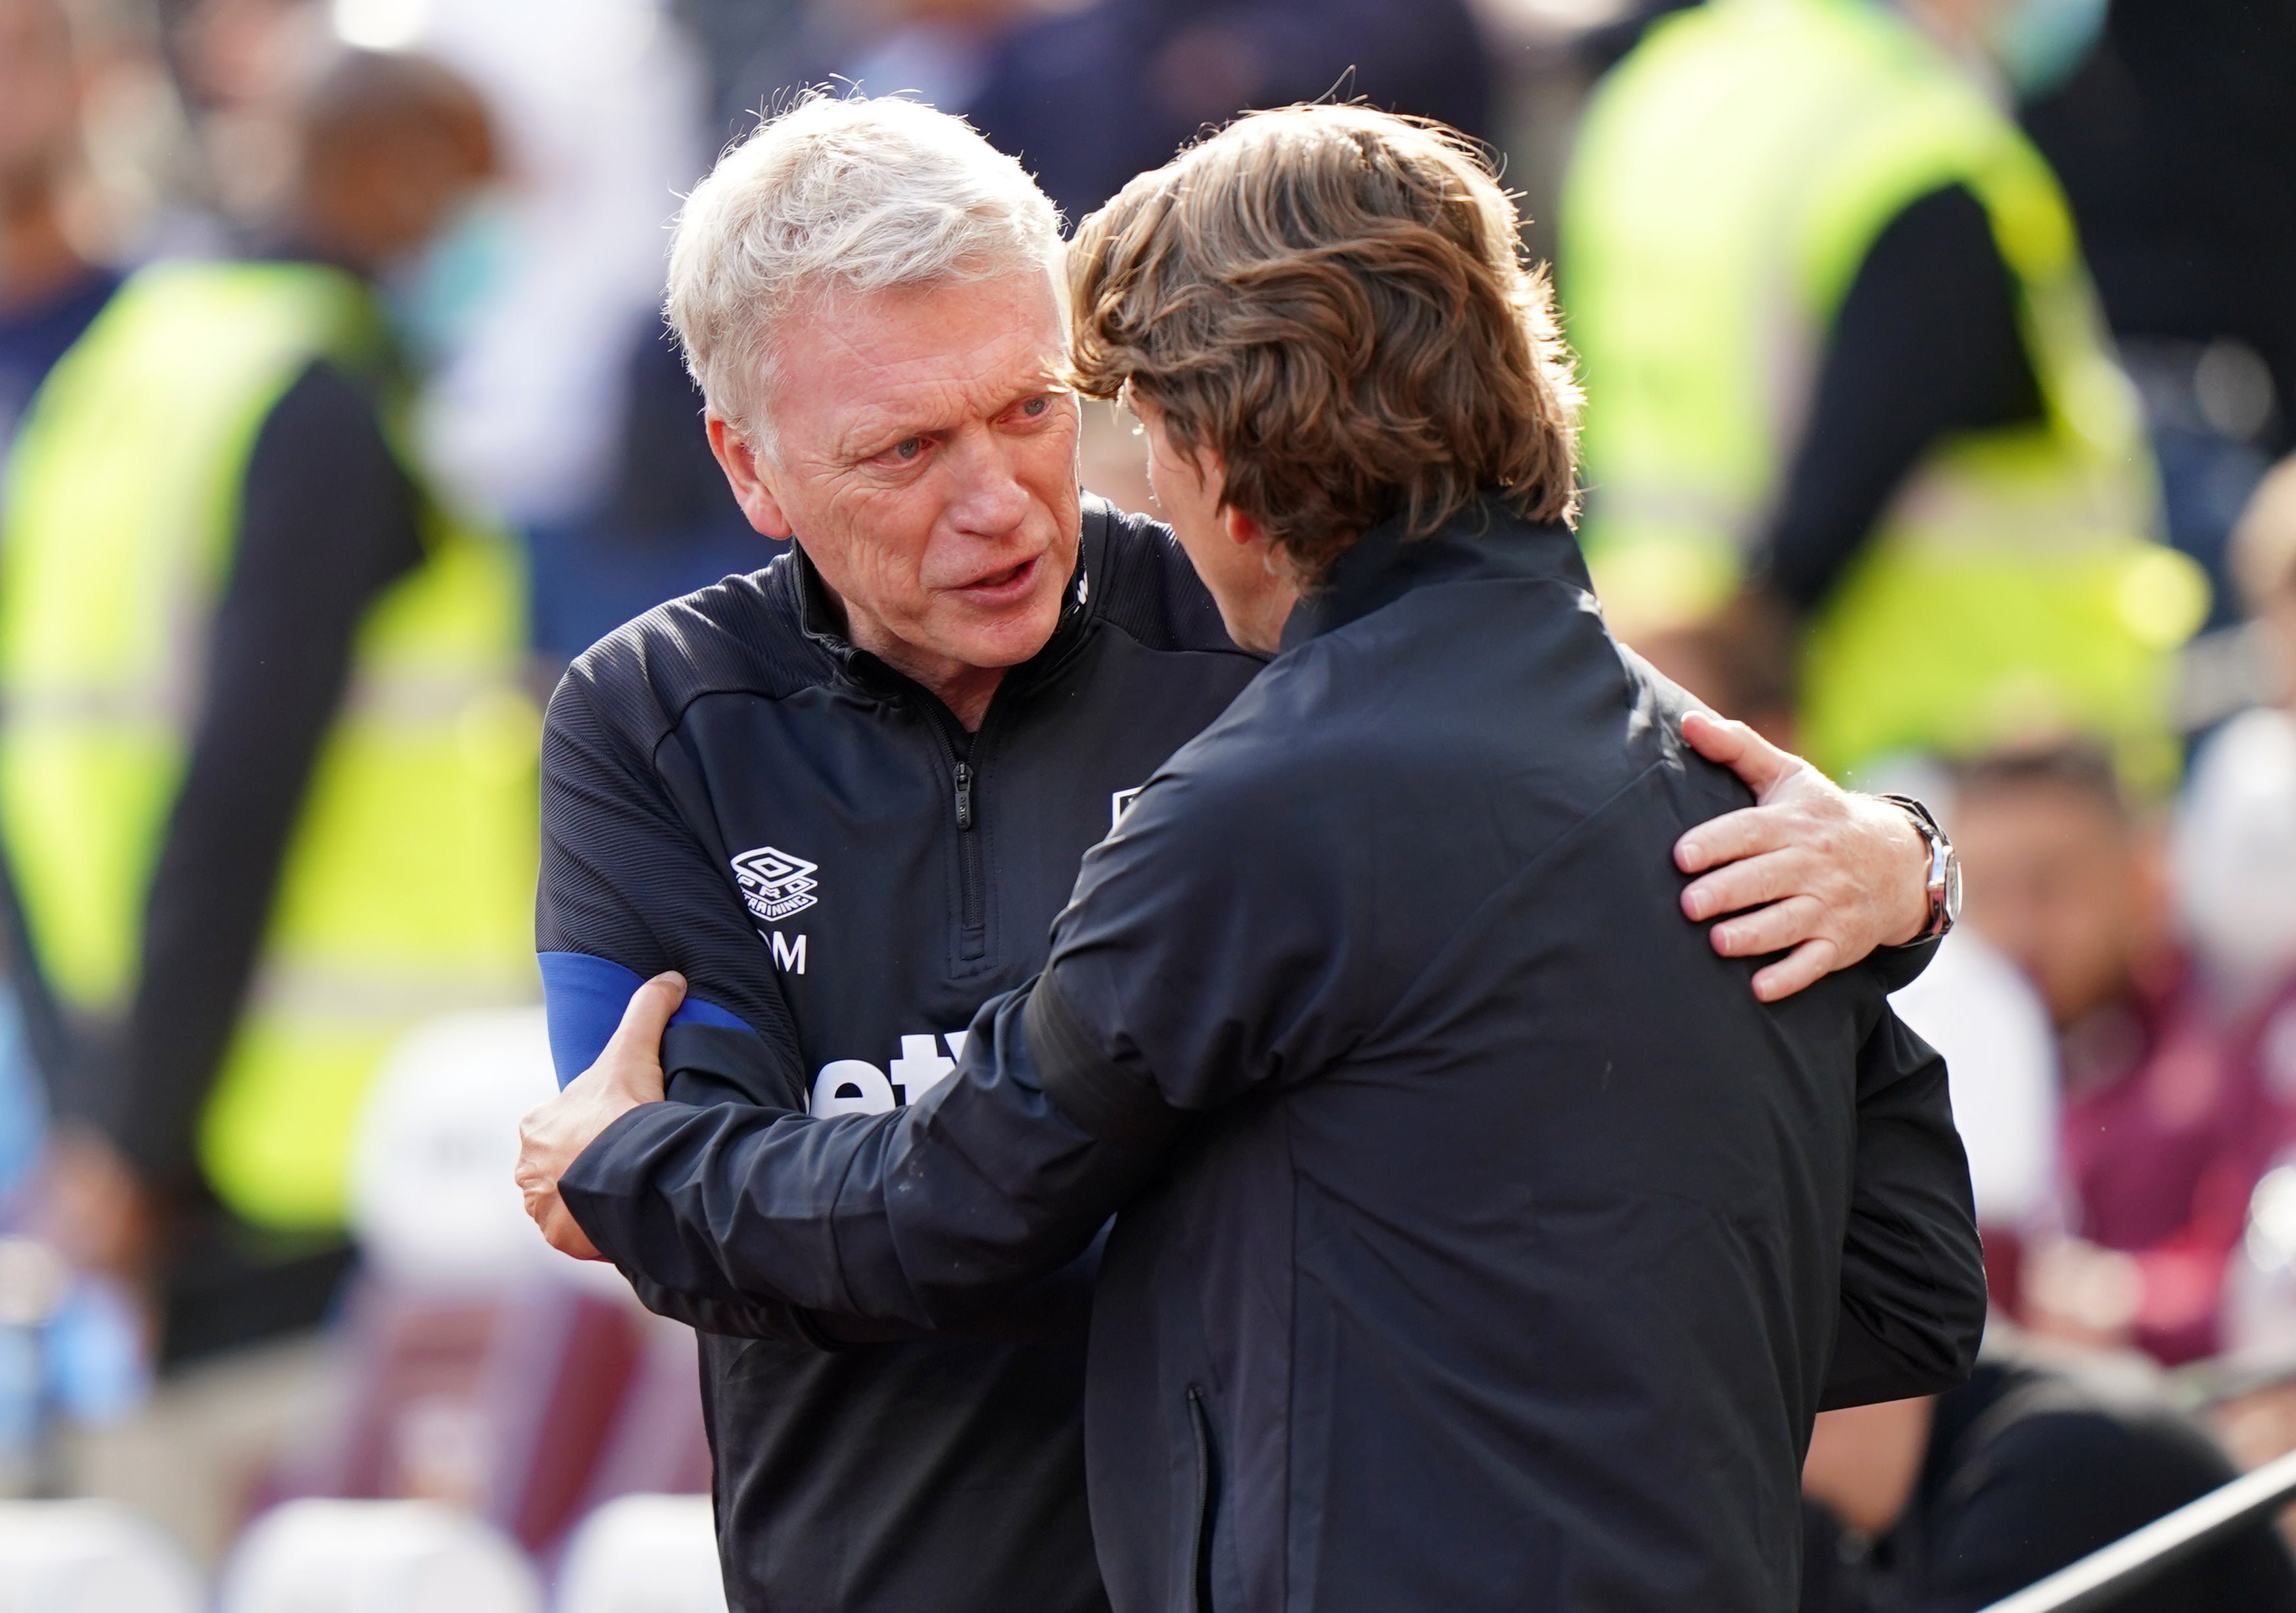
<point x="1940" y="880"/>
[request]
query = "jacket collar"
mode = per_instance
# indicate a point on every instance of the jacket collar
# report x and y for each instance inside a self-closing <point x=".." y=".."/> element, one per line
<point x="817" y="614"/>
<point x="1485" y="540"/>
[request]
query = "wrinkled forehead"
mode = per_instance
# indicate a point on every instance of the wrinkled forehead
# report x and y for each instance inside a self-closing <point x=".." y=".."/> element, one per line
<point x="955" y="347"/>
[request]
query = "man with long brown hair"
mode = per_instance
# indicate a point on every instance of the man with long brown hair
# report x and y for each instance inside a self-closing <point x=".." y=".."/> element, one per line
<point x="1481" y="1239"/>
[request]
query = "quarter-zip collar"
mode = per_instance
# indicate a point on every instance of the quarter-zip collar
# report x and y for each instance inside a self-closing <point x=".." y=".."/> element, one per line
<point x="1486" y="539"/>
<point x="817" y="616"/>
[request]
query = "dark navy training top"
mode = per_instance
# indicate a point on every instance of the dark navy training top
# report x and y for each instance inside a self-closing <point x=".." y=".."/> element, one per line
<point x="844" y="875"/>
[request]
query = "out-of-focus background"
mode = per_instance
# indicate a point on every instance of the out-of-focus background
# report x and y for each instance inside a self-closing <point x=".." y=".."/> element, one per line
<point x="1938" y="355"/>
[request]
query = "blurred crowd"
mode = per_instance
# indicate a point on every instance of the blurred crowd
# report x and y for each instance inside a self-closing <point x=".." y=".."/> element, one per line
<point x="1938" y="355"/>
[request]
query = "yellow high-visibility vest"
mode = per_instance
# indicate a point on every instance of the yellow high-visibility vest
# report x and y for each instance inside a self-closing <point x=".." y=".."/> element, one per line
<point x="1730" y="178"/>
<point x="408" y="884"/>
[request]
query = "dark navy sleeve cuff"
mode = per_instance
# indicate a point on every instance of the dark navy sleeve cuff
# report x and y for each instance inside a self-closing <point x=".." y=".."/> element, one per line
<point x="1899" y="967"/>
<point x="606" y="1177"/>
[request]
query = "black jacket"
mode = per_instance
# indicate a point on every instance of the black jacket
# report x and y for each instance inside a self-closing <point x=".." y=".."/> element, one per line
<point x="1485" y="1243"/>
<point x="731" y="790"/>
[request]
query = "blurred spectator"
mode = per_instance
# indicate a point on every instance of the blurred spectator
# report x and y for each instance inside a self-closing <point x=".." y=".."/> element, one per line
<point x="665" y="524"/>
<point x="750" y="51"/>
<point x="2168" y="1120"/>
<point x="552" y="273"/>
<point x="1837" y="338"/>
<point x="266" y="768"/>
<point x="1089" y="99"/>
<point x="1974" y="1007"/>
<point x="49" y="290"/>
<point x="2179" y="157"/>
<point x="561" y="405"/>
<point x="2237" y="876"/>
<point x="1947" y="1505"/>
<point x="238" y="65"/>
<point x="2236" y="844"/>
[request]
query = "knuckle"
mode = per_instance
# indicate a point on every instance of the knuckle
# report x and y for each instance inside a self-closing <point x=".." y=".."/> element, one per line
<point x="1722" y="886"/>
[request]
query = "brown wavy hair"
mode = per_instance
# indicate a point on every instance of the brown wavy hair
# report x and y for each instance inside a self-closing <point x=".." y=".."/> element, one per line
<point x="1334" y="300"/>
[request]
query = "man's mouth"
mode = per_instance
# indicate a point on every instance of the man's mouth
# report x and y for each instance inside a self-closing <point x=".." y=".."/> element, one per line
<point x="1001" y="587"/>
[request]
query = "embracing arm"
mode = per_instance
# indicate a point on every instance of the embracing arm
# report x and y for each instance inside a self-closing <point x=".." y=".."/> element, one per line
<point x="1820" y="874"/>
<point x="1913" y="1271"/>
<point x="1177" y="990"/>
<point x="972" y="1201"/>
<point x="1170" y="991"/>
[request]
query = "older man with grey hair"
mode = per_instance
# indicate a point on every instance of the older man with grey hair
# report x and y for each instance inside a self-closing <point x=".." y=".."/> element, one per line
<point x="843" y="798"/>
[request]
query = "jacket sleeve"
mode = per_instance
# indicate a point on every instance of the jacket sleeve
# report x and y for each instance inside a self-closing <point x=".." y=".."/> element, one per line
<point x="627" y="891"/>
<point x="1913" y="1271"/>
<point x="1193" y="965"/>
<point x="963" y="1212"/>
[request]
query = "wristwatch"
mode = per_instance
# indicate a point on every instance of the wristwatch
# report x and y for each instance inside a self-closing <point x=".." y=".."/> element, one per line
<point x="1945" y="869"/>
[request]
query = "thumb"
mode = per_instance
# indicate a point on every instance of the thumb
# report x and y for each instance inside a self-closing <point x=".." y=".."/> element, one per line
<point x="1734" y="745"/>
<point x="639" y="1035"/>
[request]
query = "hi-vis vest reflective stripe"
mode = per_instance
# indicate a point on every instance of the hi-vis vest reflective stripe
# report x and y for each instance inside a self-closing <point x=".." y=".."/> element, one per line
<point x="408" y="885"/>
<point x="1730" y="177"/>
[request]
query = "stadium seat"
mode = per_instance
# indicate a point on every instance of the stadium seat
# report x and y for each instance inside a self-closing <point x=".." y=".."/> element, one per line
<point x="502" y="1407"/>
<point x="484" y="1368"/>
<point x="375" y="1557"/>
<point x="90" y="1557"/>
<point x="643" y="1554"/>
<point x="657" y="1443"/>
<point x="433" y="1202"/>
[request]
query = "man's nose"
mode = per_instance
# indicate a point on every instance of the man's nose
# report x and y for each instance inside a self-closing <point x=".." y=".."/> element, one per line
<point x="989" y="500"/>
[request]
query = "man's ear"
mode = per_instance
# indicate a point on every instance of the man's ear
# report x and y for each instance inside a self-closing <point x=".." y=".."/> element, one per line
<point x="747" y="477"/>
<point x="1243" y="530"/>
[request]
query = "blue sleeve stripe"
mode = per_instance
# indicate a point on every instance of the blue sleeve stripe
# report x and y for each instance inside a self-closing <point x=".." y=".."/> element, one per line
<point x="583" y="998"/>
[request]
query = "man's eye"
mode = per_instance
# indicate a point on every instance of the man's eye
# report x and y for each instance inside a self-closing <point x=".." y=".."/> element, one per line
<point x="908" y="448"/>
<point x="1036" y="406"/>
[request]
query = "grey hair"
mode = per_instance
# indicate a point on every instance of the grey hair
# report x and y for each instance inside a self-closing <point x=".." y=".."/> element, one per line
<point x="838" y="194"/>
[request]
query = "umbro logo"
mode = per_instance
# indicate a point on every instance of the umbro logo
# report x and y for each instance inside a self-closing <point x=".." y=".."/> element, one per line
<point x="775" y="884"/>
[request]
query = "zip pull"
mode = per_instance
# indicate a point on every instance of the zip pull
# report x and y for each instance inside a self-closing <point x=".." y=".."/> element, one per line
<point x="965" y="795"/>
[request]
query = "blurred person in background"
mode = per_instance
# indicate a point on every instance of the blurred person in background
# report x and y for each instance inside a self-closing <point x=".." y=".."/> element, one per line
<point x="2236" y="867"/>
<point x="238" y="68"/>
<point x="1981" y="1014"/>
<point x="49" y="291"/>
<point x="1088" y="99"/>
<point x="2178" y="156"/>
<point x="2167" y="1121"/>
<point x="1947" y="1504"/>
<point x="555" y="398"/>
<point x="1838" y="344"/>
<point x="267" y="782"/>
<point x="49" y="287"/>
<point x="2236" y="842"/>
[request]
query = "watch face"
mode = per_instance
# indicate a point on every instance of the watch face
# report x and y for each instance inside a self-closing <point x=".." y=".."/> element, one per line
<point x="1952" y="885"/>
